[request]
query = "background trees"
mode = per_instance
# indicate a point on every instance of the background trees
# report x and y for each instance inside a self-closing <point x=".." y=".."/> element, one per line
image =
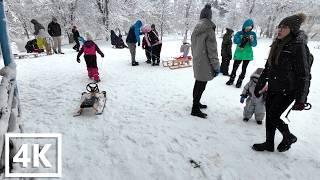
<point x="170" y="16"/>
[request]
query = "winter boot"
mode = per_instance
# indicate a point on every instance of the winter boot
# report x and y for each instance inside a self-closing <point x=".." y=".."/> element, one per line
<point x="158" y="62"/>
<point x="202" y="106"/>
<point x="148" y="62"/>
<point x="245" y="119"/>
<point x="230" y="82"/>
<point x="287" y="140"/>
<point x="268" y="145"/>
<point x="135" y="63"/>
<point x="259" y="122"/>
<point x="196" y="112"/>
<point x="239" y="83"/>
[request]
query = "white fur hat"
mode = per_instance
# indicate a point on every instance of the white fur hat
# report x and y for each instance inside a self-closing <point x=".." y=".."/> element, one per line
<point x="88" y="36"/>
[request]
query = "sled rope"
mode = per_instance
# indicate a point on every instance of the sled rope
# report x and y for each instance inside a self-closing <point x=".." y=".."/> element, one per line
<point x="307" y="106"/>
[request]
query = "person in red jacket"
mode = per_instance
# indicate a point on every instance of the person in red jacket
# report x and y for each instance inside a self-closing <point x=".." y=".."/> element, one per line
<point x="89" y="49"/>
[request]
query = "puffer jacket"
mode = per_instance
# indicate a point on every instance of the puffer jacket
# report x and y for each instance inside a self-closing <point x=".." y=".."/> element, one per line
<point x="292" y="72"/>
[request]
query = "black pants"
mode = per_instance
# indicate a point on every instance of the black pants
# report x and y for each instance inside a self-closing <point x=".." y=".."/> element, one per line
<point x="224" y="68"/>
<point x="77" y="46"/>
<point x="91" y="61"/>
<point x="148" y="53"/>
<point x="276" y="104"/>
<point x="156" y="51"/>
<point x="199" y="87"/>
<point x="236" y="64"/>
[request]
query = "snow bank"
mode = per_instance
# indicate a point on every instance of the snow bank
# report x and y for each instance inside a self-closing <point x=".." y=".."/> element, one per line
<point x="9" y="105"/>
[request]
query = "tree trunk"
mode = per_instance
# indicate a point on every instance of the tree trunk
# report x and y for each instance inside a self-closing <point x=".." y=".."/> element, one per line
<point x="26" y="32"/>
<point x="187" y="15"/>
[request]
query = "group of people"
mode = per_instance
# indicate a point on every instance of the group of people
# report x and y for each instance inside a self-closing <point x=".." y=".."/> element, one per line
<point x="284" y="79"/>
<point x="270" y="91"/>
<point x="151" y="43"/>
<point x="49" y="40"/>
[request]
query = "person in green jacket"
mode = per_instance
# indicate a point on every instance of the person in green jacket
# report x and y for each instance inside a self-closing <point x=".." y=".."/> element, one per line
<point x="245" y="40"/>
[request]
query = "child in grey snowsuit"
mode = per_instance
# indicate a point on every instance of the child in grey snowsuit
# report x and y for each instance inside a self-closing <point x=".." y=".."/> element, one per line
<point x="185" y="48"/>
<point x="254" y="105"/>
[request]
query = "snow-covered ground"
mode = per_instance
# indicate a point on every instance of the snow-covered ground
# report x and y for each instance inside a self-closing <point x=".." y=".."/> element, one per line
<point x="146" y="131"/>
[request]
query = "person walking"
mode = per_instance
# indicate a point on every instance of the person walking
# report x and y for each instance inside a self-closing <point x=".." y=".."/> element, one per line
<point x="76" y="37"/>
<point x="287" y="73"/>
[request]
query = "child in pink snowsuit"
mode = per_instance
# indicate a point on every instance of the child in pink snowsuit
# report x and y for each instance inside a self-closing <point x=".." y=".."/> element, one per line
<point x="89" y="49"/>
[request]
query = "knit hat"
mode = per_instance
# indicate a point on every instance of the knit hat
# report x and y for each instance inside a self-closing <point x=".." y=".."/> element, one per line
<point x="206" y="12"/>
<point x="229" y="30"/>
<point x="54" y="19"/>
<point x="146" y="28"/>
<point x="294" y="22"/>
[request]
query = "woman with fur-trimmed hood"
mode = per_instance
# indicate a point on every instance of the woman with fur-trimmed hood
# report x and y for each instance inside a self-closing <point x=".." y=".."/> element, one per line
<point x="205" y="57"/>
<point x="287" y="72"/>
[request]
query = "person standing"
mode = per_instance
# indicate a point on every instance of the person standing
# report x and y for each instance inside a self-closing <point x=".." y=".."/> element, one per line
<point x="54" y="31"/>
<point x="155" y="45"/>
<point x="205" y="58"/>
<point x="226" y="52"/>
<point x="76" y="37"/>
<point x="287" y="73"/>
<point x="245" y="40"/>
<point x="132" y="39"/>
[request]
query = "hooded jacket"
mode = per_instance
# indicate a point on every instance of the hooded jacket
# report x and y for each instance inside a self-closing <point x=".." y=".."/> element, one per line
<point x="37" y="26"/>
<point x="204" y="50"/>
<point x="292" y="72"/>
<point x="246" y="52"/>
<point x="134" y="33"/>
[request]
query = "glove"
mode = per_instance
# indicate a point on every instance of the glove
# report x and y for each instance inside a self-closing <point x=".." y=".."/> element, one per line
<point x="298" y="106"/>
<point x="251" y="38"/>
<point x="78" y="60"/>
<point x="257" y="92"/>
<point x="216" y="70"/>
<point x="138" y="43"/>
<point x="102" y="55"/>
<point x="243" y="97"/>
<point x="244" y="41"/>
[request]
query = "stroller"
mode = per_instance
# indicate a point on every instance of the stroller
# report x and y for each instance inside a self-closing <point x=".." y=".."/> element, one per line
<point x="117" y="41"/>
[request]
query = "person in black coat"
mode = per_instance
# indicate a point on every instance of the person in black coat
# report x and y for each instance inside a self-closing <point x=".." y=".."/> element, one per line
<point x="154" y="42"/>
<point x="76" y="36"/>
<point x="54" y="31"/>
<point x="287" y="72"/>
<point x="226" y="52"/>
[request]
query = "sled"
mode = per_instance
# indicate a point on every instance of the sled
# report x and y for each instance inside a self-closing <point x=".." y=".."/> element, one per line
<point x="177" y="62"/>
<point x="93" y="99"/>
<point x="26" y="55"/>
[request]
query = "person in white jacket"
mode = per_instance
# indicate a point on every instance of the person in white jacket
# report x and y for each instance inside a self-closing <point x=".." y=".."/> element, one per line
<point x="254" y="105"/>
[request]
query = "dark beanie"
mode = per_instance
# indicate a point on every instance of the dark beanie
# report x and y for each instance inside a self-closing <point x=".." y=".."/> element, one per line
<point x="293" y="22"/>
<point x="206" y="12"/>
<point x="229" y="30"/>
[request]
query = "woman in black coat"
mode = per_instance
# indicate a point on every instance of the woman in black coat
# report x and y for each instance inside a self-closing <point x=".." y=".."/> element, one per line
<point x="287" y="72"/>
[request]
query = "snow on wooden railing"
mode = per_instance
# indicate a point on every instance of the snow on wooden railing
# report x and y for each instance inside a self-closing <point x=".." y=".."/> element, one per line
<point x="9" y="107"/>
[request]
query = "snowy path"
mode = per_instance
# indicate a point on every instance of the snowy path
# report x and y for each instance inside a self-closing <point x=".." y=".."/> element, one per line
<point x="146" y="131"/>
